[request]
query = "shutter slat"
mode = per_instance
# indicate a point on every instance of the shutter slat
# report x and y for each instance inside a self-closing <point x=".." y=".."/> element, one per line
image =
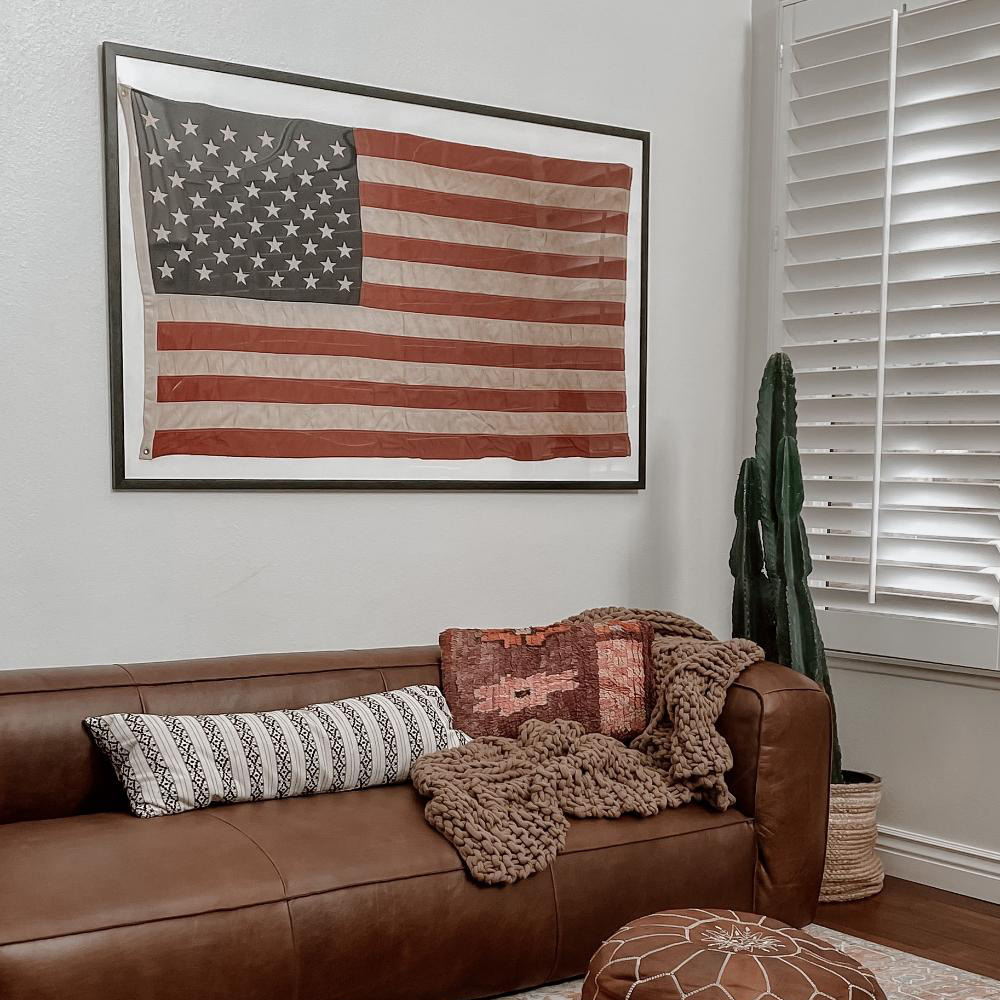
<point x="969" y="556"/>
<point x="836" y="437"/>
<point x="925" y="551"/>
<point x="850" y="519"/>
<point x="943" y="262"/>
<point x="823" y="301"/>
<point x="853" y="129"/>
<point x="959" y="348"/>
<point x="933" y="144"/>
<point x="938" y="524"/>
<point x="965" y="586"/>
<point x="901" y="322"/>
<point x="863" y="99"/>
<point x="905" y="606"/>
<point x="958" y="80"/>
<point x="944" y="113"/>
<point x="815" y="357"/>
<point x="861" y="270"/>
<point x="952" y="584"/>
<point x="903" y="295"/>
<point x="944" y="172"/>
<point x="864" y="213"/>
<point x="839" y="45"/>
<point x="982" y="439"/>
<point x="849" y="381"/>
<point x="839" y="159"/>
<point x="944" y="291"/>
<point x="975" y="498"/>
<point x="837" y="188"/>
<point x="935" y="234"/>
<point x="833" y="244"/>
<point x="943" y="378"/>
<point x="946" y="20"/>
<point x="924" y="206"/>
<point x="853" y="71"/>
<point x="947" y="50"/>
<point x="979" y="407"/>
<point x="846" y="410"/>
<point x="941" y="466"/>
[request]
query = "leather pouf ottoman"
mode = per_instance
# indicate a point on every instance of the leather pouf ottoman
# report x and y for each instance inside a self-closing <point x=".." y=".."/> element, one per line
<point x="722" y="955"/>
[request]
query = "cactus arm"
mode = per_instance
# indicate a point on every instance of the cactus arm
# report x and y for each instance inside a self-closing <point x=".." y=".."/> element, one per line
<point x="739" y="555"/>
<point x="776" y="418"/>
<point x="746" y="560"/>
<point x="802" y="639"/>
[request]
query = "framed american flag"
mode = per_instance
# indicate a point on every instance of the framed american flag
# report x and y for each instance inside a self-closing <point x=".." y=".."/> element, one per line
<point x="317" y="284"/>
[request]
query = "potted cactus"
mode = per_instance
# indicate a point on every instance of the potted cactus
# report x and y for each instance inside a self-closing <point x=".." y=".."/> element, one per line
<point x="773" y="606"/>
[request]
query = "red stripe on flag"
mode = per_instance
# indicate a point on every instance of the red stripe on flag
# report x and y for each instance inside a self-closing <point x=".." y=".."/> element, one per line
<point x="171" y="336"/>
<point x="480" y="306"/>
<point x="511" y="213"/>
<point x="375" y="245"/>
<point x="482" y="159"/>
<point x="253" y="389"/>
<point x="255" y="443"/>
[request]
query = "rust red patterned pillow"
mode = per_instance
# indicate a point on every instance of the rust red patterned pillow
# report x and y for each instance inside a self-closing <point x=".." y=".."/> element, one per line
<point x="597" y="674"/>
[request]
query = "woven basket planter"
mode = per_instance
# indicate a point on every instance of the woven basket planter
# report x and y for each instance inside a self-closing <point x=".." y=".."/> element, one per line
<point x="853" y="870"/>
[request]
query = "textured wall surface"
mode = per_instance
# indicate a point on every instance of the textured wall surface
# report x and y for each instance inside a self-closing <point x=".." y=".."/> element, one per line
<point x="88" y="575"/>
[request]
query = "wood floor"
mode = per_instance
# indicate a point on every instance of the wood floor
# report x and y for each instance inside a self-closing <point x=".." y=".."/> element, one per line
<point x="942" y="926"/>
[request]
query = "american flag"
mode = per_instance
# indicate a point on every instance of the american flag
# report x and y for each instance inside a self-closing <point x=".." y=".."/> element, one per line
<point x="316" y="290"/>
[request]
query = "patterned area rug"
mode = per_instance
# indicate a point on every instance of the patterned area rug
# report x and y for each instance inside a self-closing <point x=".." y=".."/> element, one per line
<point x="902" y="976"/>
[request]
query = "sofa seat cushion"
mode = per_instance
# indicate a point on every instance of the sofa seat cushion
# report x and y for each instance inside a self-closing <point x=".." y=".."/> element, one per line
<point x="593" y="834"/>
<point x="613" y="871"/>
<point x="328" y="842"/>
<point x="85" y="873"/>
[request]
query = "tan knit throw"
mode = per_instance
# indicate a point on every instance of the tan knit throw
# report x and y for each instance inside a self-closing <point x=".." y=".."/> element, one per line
<point x="504" y="803"/>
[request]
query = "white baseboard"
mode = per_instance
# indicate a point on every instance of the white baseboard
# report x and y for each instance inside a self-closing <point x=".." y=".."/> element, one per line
<point x="971" y="871"/>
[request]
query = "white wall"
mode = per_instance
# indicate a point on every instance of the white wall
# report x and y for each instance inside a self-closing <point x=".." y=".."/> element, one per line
<point x="87" y="575"/>
<point x="934" y="740"/>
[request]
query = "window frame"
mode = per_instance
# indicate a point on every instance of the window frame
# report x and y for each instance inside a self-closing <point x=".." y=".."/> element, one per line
<point x="952" y="648"/>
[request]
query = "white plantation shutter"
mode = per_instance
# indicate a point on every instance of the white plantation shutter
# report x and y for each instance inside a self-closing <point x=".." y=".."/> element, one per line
<point x="888" y="302"/>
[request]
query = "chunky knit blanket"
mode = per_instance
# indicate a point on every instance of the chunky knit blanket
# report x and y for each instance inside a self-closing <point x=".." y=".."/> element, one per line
<point x="505" y="803"/>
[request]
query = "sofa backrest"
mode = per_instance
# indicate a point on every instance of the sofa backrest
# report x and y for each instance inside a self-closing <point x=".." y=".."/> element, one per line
<point x="49" y="766"/>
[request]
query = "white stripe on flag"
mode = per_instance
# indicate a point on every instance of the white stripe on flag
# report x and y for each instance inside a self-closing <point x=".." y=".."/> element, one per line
<point x="349" y="416"/>
<point x="481" y="281"/>
<point x="319" y="315"/>
<point x="408" y="173"/>
<point x="321" y="366"/>
<point x="416" y="225"/>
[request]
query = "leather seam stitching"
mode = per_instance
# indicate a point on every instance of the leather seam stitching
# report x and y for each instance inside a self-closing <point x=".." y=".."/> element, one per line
<point x="135" y="684"/>
<point x="246" y="836"/>
<point x="230" y="909"/>
<point x="143" y="923"/>
<point x="746" y="821"/>
<point x="284" y="890"/>
<point x="558" y="934"/>
<point x="756" y="785"/>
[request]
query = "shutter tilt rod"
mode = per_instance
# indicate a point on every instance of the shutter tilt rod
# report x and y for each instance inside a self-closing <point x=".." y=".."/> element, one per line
<point x="890" y="126"/>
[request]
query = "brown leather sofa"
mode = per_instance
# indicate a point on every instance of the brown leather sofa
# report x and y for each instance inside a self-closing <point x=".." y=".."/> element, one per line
<point x="353" y="895"/>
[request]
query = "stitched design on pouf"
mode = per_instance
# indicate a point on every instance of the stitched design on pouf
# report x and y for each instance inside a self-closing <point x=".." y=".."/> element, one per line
<point x="738" y="939"/>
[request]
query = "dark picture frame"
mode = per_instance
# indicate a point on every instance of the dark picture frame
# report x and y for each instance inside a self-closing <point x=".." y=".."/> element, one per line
<point x="110" y="53"/>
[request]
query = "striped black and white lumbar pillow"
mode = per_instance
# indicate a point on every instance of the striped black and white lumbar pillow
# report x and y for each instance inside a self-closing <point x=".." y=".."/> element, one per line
<point x="174" y="763"/>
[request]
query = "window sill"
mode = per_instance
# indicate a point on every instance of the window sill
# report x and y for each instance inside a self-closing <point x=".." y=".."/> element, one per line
<point x="940" y="673"/>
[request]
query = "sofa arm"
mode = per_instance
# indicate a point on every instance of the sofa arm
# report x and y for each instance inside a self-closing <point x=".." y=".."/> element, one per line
<point x="778" y="724"/>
